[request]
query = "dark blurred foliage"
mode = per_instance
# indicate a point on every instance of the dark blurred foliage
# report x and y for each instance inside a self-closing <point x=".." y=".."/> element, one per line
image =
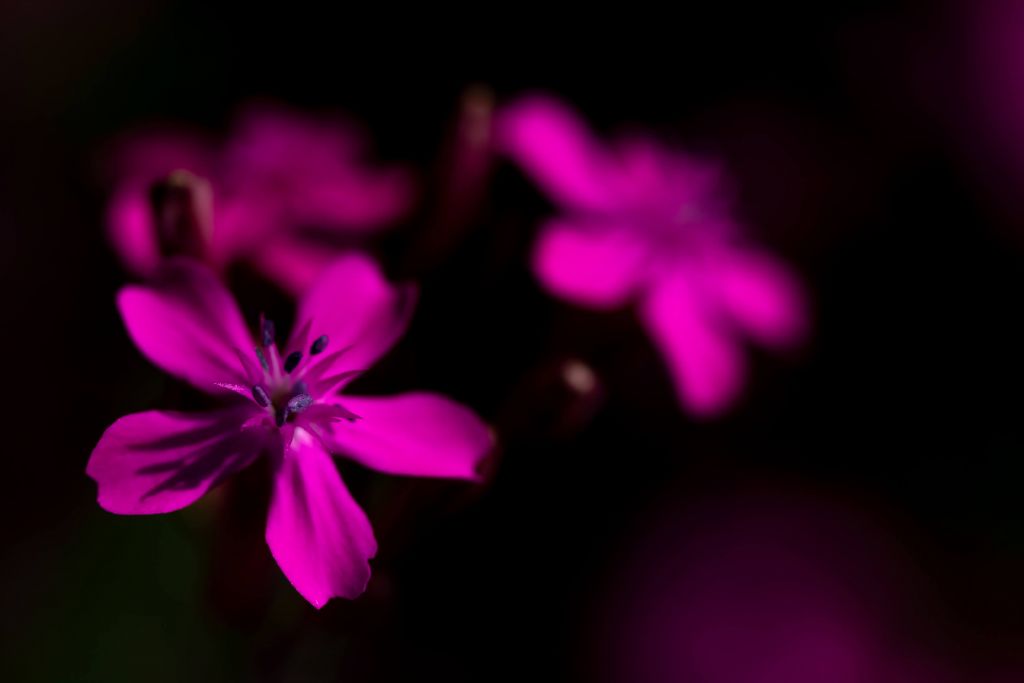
<point x="839" y="123"/>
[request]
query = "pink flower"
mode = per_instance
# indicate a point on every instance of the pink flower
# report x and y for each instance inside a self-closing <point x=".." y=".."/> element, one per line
<point x="283" y="404"/>
<point x="288" y="191"/>
<point x="767" y="586"/>
<point x="644" y="225"/>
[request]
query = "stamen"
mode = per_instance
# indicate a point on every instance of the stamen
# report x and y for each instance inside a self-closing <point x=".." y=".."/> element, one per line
<point x="267" y="331"/>
<point x="263" y="359"/>
<point x="296" y="404"/>
<point x="292" y="361"/>
<point x="319" y="345"/>
<point x="299" y="388"/>
<point x="261" y="396"/>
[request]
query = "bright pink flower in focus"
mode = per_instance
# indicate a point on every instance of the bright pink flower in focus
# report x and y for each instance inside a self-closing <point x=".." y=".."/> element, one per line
<point x="288" y="190"/>
<point x="283" y="404"/>
<point x="644" y="225"/>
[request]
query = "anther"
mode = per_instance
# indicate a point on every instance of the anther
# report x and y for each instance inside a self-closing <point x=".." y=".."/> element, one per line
<point x="292" y="361"/>
<point x="267" y="331"/>
<point x="319" y="345"/>
<point x="296" y="404"/>
<point x="263" y="359"/>
<point x="261" y="396"/>
<point x="299" y="388"/>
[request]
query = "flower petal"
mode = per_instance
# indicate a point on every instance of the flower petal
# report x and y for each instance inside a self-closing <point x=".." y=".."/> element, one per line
<point x="132" y="233"/>
<point x="355" y="306"/>
<point x="187" y="323"/>
<point x="139" y="160"/>
<point x="156" y="462"/>
<point x="554" y="146"/>
<point x="293" y="263"/>
<point x="318" y="534"/>
<point x="356" y="199"/>
<point x="414" y="434"/>
<point x="705" y="363"/>
<point x="589" y="264"/>
<point x="761" y="297"/>
<point x="315" y="167"/>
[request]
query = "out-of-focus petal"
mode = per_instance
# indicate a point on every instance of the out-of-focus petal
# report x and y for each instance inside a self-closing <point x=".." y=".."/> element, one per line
<point x="355" y="306"/>
<point x="138" y="160"/>
<point x="760" y="296"/>
<point x="271" y="138"/>
<point x="318" y="534"/>
<point x="132" y="232"/>
<point x="706" y="364"/>
<point x="292" y="262"/>
<point x="147" y="155"/>
<point x="187" y="323"/>
<point x="414" y="434"/>
<point x="156" y="462"/>
<point x="554" y="146"/>
<point x="589" y="264"/>
<point x="314" y="168"/>
<point x="355" y="199"/>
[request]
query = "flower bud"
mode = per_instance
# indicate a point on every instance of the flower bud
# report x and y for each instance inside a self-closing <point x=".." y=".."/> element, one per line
<point x="182" y="206"/>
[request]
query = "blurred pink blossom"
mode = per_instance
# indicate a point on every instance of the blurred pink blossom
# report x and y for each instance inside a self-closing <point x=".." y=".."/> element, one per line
<point x="767" y="587"/>
<point x="643" y="225"/>
<point x="287" y="190"/>
<point x="284" y="405"/>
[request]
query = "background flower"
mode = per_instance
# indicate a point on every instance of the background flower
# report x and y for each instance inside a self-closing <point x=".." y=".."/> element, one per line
<point x="826" y="118"/>
<point x="647" y="225"/>
<point x="288" y="190"/>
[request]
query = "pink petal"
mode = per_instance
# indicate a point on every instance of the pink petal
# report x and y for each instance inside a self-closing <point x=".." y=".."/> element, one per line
<point x="156" y="462"/>
<point x="187" y="323"/>
<point x="355" y="306"/>
<point x="705" y="363"/>
<point x="654" y="176"/>
<point x="413" y="434"/>
<point x="589" y="264"/>
<point x="132" y="233"/>
<point x="315" y="167"/>
<point x="144" y="156"/>
<point x="358" y="199"/>
<point x="760" y="296"/>
<point x="269" y="138"/>
<point x="318" y="534"/>
<point x="139" y="160"/>
<point x="554" y="146"/>
<point x="293" y="263"/>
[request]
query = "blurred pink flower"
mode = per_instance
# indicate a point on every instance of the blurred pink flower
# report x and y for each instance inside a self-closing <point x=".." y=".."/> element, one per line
<point x="287" y="189"/>
<point x="644" y="225"/>
<point x="766" y="587"/>
<point x="285" y="405"/>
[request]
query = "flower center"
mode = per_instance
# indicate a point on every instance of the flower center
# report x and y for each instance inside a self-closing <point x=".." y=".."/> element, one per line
<point x="281" y="390"/>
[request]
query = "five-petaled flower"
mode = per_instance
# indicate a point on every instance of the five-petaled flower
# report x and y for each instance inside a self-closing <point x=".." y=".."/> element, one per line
<point x="644" y="224"/>
<point x="283" y="404"/>
<point x="291" y="192"/>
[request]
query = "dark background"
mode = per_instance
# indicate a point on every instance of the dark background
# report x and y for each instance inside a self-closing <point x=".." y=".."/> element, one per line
<point x="852" y="137"/>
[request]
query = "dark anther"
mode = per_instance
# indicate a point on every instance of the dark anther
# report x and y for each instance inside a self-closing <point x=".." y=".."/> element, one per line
<point x="263" y="359"/>
<point x="268" y="332"/>
<point x="319" y="345"/>
<point x="260" y="394"/>
<point x="299" y="388"/>
<point x="292" y="361"/>
<point x="298" y="403"/>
